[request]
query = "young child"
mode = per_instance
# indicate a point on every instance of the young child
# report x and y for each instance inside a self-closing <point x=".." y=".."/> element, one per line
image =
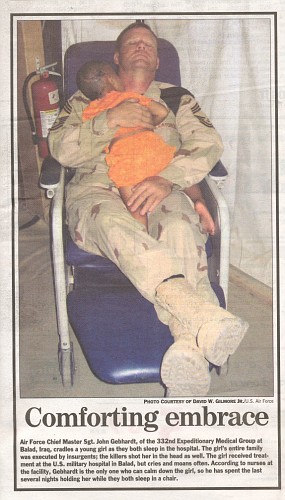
<point x="135" y="153"/>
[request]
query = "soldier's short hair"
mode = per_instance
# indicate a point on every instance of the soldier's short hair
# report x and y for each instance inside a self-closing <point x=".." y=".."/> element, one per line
<point x="137" y="24"/>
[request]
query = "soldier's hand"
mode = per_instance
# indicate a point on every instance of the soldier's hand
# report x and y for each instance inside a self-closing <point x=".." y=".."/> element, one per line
<point x="149" y="193"/>
<point x="130" y="114"/>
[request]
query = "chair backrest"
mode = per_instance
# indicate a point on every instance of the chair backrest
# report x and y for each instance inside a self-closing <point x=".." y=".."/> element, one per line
<point x="79" y="53"/>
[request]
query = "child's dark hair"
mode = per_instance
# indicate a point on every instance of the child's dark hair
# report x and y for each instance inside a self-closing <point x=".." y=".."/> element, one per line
<point x="89" y="79"/>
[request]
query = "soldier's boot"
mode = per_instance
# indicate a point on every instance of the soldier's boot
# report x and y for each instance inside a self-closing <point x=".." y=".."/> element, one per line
<point x="216" y="331"/>
<point x="184" y="370"/>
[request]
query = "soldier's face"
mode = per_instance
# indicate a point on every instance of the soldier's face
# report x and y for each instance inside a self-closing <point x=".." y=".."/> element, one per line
<point x="138" y="49"/>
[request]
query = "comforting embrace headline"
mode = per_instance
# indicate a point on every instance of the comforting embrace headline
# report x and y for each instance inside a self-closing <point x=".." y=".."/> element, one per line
<point x="35" y="416"/>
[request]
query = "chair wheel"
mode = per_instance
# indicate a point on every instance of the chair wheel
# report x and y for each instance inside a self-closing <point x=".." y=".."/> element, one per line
<point x="66" y="365"/>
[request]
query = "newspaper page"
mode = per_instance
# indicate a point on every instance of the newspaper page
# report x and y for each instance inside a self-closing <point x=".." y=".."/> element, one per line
<point x="135" y="441"/>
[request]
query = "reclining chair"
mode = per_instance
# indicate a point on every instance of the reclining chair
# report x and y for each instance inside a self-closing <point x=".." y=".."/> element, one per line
<point x="113" y="323"/>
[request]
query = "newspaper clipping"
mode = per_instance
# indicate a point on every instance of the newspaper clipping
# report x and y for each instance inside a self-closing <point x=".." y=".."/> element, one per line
<point x="67" y="430"/>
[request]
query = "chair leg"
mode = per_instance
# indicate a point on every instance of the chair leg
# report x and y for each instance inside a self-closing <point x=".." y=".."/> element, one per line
<point x="66" y="365"/>
<point x="61" y="282"/>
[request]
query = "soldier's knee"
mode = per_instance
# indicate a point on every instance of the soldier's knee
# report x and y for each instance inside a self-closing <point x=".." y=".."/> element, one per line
<point x="107" y="217"/>
<point x="178" y="225"/>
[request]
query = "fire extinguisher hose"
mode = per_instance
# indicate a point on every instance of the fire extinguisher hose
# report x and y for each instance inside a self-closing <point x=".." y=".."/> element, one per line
<point x="26" y="105"/>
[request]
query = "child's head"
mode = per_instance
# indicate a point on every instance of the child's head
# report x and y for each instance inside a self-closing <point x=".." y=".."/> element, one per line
<point x="96" y="78"/>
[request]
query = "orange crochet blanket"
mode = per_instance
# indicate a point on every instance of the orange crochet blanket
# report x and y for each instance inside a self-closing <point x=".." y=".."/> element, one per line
<point x="137" y="153"/>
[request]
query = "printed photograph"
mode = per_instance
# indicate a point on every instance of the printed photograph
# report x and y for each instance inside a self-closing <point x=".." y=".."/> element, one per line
<point x="145" y="206"/>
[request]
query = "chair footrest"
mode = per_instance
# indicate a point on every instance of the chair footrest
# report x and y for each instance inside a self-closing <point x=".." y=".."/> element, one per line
<point x="114" y="345"/>
<point x="124" y="347"/>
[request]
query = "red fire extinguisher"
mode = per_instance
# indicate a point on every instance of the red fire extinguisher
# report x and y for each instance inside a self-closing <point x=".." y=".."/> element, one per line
<point x="46" y="106"/>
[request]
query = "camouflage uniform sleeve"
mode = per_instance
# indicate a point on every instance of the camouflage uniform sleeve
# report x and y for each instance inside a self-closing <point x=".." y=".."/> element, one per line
<point x="74" y="143"/>
<point x="201" y="145"/>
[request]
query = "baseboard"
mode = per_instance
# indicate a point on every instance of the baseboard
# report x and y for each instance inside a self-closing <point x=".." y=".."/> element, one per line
<point x="252" y="285"/>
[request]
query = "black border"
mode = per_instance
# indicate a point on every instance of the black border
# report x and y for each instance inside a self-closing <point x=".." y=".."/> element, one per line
<point x="141" y="15"/>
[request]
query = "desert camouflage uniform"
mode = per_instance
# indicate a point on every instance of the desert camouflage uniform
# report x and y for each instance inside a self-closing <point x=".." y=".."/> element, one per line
<point x="100" y="223"/>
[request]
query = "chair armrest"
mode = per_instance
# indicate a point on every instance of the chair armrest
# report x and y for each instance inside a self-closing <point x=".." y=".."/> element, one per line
<point x="50" y="173"/>
<point x="218" y="172"/>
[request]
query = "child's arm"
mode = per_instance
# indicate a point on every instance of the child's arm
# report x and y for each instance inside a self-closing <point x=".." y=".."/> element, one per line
<point x="159" y="112"/>
<point x="195" y="193"/>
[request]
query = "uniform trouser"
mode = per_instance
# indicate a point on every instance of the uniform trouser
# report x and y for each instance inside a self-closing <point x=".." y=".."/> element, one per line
<point x="100" y="223"/>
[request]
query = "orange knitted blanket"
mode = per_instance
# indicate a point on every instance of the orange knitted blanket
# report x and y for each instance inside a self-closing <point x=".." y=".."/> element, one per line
<point x="134" y="157"/>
